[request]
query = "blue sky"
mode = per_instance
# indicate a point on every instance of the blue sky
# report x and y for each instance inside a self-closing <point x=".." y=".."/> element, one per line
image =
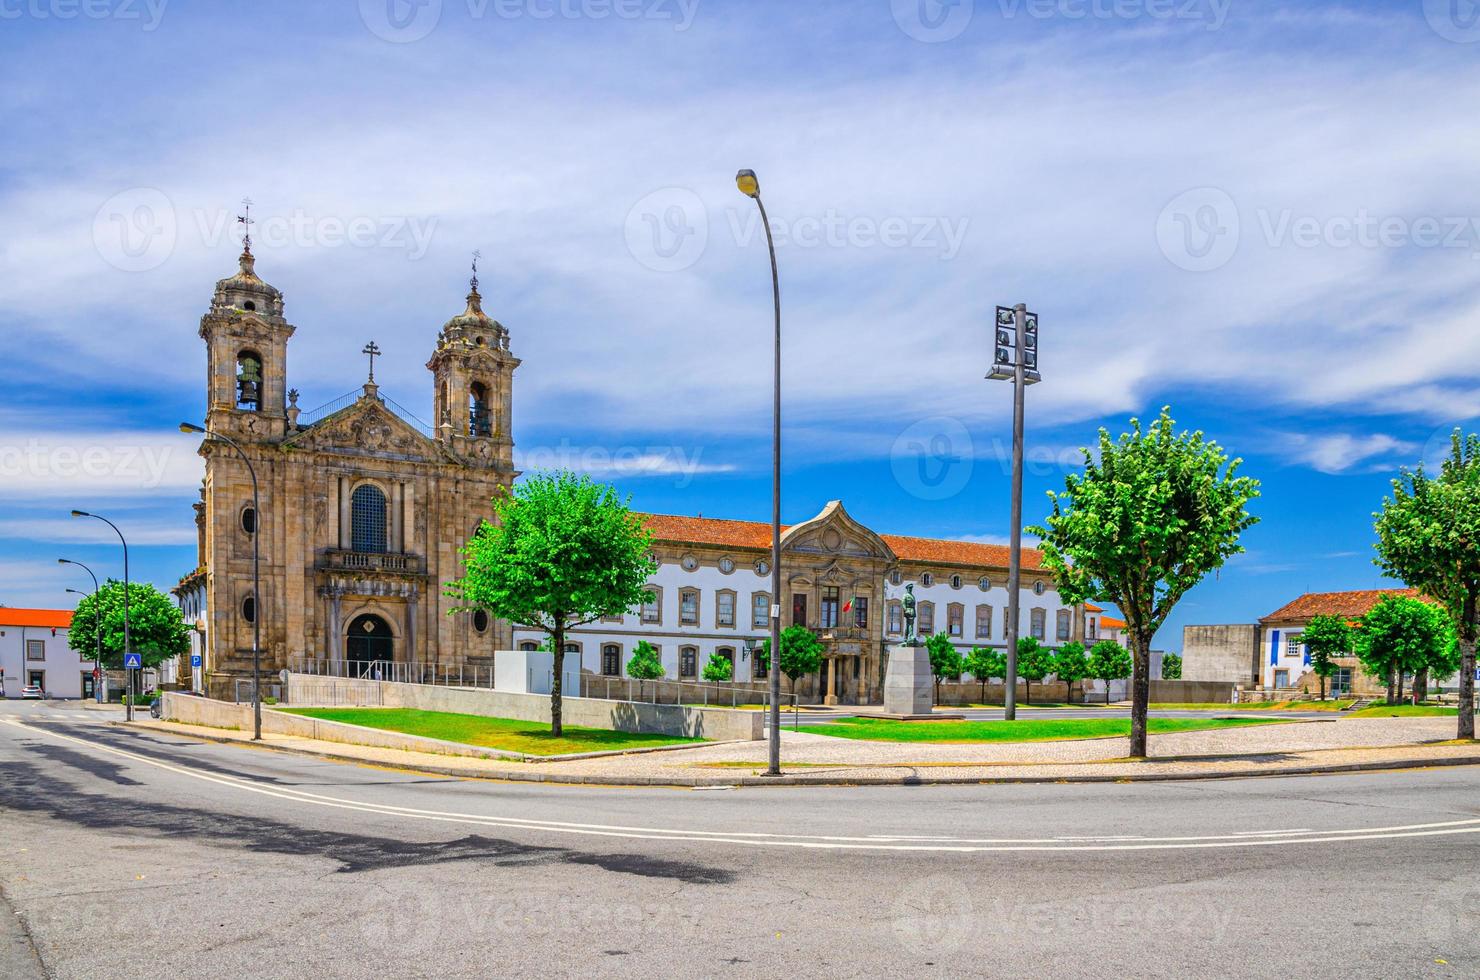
<point x="1262" y="214"/>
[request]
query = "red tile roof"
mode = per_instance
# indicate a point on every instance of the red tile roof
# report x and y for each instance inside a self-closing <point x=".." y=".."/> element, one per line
<point x="1111" y="623"/>
<point x="53" y="618"/>
<point x="1349" y="604"/>
<point x="757" y="535"/>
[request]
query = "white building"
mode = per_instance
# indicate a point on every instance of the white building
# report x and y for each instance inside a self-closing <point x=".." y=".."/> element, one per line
<point x="33" y="650"/>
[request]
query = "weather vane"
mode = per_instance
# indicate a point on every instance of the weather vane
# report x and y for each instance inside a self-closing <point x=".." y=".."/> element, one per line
<point x="245" y="220"/>
<point x="476" y="256"/>
<point x="373" y="351"/>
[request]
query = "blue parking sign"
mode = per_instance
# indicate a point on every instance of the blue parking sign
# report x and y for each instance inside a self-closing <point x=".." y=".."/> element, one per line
<point x="132" y="661"/>
<point x="195" y="660"/>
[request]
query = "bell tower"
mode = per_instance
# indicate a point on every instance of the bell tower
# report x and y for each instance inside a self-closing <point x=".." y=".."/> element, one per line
<point x="473" y="371"/>
<point x="246" y="353"/>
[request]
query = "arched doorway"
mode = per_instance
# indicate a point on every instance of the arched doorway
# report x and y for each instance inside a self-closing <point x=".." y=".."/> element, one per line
<point x="369" y="640"/>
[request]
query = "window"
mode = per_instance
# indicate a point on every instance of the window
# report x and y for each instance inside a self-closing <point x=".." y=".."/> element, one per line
<point x="799" y="609"/>
<point x="480" y="620"/>
<point x="249" y="381"/>
<point x="896" y="618"/>
<point x="1293" y="645"/>
<point x="926" y="618"/>
<point x="652" y="606"/>
<point x="35" y="649"/>
<point x="955" y="581"/>
<point x="727" y="653"/>
<point x="727" y="565"/>
<point x="1092" y="628"/>
<point x="1282" y="678"/>
<point x="611" y="660"/>
<point x="36" y="678"/>
<point x="757" y="663"/>
<point x="528" y="646"/>
<point x="895" y="577"/>
<point x="688" y="661"/>
<point x="724" y="609"/>
<point x="1039" y="587"/>
<point x="479" y="423"/>
<point x="1038" y="623"/>
<point x="1061" y="624"/>
<point x="249" y="520"/>
<point x="763" y="567"/>
<point x="984" y="583"/>
<point x="927" y="580"/>
<point x="760" y="610"/>
<point x="689" y="563"/>
<point x="983" y="622"/>
<point x="955" y="613"/>
<point x="249" y="609"/>
<point x="367" y="519"/>
<point x="830" y="600"/>
<point x="688" y="607"/>
<point x="860" y="612"/>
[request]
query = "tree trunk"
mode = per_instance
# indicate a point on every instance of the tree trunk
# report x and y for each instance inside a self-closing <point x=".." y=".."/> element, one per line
<point x="1467" y="669"/>
<point x="1399" y="698"/>
<point x="1140" y="692"/>
<point x="1392" y="686"/>
<point x="1421" y="686"/>
<point x="1029" y="698"/>
<point x="1107" y="690"/>
<point x="984" y="692"/>
<point x="556" y="729"/>
<point x="1323" y="686"/>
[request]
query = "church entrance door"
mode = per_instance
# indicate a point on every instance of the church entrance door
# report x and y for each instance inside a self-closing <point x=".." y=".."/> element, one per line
<point x="369" y="640"/>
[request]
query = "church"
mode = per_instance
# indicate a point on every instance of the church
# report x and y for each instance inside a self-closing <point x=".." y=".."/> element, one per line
<point x="360" y="509"/>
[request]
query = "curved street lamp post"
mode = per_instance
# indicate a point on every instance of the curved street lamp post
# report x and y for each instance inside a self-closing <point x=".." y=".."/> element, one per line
<point x="127" y="641"/>
<point x="97" y="628"/>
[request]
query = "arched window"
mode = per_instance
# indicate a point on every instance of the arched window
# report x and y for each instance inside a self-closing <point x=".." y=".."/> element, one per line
<point x="727" y="653"/>
<point x="367" y="519"/>
<point x="611" y="660"/>
<point x="528" y="646"/>
<point x="249" y="381"/>
<point x="478" y="421"/>
<point x="688" y="661"/>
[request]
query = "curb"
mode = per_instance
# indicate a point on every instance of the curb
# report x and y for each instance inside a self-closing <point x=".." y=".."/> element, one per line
<point x="821" y="779"/>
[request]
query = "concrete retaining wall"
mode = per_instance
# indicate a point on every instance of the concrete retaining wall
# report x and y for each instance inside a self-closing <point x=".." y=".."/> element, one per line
<point x="1191" y="692"/>
<point x="623" y="716"/>
<point x="1221" y="653"/>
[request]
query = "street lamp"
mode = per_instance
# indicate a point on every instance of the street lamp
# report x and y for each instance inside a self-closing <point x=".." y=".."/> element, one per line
<point x="1015" y="359"/>
<point x="127" y="642"/>
<point x="751" y="188"/>
<point x="97" y="627"/>
<point x="188" y="427"/>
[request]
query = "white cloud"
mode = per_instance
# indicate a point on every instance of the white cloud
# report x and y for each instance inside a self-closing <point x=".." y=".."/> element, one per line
<point x="86" y="466"/>
<point x="65" y="530"/>
<point x="1339" y="452"/>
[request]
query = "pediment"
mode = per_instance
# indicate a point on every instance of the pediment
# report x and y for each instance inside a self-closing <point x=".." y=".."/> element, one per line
<point x="835" y="532"/>
<point x="368" y="428"/>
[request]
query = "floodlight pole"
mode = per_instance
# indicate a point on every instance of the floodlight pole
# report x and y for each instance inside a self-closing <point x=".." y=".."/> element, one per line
<point x="1015" y="554"/>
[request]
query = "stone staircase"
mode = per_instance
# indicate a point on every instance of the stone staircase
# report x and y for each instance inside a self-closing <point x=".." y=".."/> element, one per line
<point x="1358" y="704"/>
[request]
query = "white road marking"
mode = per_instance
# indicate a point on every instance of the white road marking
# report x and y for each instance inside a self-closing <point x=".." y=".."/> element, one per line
<point x="823" y="842"/>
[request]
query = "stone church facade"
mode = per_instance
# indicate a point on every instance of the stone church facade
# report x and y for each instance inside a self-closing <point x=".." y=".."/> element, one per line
<point x="361" y="508"/>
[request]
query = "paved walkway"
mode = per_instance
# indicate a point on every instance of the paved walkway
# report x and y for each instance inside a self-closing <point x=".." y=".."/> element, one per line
<point x="1262" y="750"/>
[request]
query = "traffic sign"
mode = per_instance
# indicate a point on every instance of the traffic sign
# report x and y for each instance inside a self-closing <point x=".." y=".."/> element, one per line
<point x="195" y="660"/>
<point x="132" y="661"/>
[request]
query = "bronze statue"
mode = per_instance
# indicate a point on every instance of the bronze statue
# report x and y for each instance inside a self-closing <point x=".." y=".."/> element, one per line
<point x="910" y="639"/>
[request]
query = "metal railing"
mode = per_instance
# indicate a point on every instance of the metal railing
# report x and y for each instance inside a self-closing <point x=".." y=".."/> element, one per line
<point x="376" y="561"/>
<point x="400" y="672"/>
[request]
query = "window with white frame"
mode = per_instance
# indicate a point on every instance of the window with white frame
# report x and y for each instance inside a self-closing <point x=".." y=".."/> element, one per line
<point x="1293" y="645"/>
<point x="688" y="607"/>
<point x="724" y="609"/>
<point x="652" y="606"/>
<point x="760" y="609"/>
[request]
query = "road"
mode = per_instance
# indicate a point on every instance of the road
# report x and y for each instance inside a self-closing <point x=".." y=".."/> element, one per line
<point x="131" y="853"/>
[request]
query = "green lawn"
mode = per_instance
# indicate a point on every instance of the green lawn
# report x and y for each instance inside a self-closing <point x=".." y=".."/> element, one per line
<point x="1405" y="711"/>
<point x="529" y="737"/>
<point x="1023" y="730"/>
<point x="1328" y="705"/>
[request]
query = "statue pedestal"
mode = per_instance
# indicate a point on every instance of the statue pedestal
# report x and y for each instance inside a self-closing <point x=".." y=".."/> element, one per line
<point x="908" y="684"/>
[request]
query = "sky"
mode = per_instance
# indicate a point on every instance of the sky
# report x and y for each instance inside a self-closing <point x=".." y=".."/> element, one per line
<point x="1261" y="214"/>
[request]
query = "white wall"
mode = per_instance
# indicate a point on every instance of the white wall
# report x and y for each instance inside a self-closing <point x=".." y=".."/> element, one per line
<point x="63" y="668"/>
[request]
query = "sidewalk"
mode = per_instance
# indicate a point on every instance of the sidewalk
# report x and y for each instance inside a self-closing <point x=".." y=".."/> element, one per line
<point x="1294" y="749"/>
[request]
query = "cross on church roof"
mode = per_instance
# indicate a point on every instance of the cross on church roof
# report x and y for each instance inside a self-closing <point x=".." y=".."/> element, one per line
<point x="373" y="351"/>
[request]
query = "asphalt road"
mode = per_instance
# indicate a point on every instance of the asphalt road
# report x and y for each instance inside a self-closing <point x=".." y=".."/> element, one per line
<point x="131" y="853"/>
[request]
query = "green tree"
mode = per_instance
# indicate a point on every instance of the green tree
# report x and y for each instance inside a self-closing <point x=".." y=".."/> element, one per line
<point x="1171" y="666"/>
<point x="156" y="626"/>
<point x="1326" y="637"/>
<point x="984" y="663"/>
<point x="945" y="661"/>
<point x="1070" y="665"/>
<point x="1034" y="662"/>
<point x="1428" y="535"/>
<point x="801" y="653"/>
<point x="1109" y="661"/>
<point x="561" y="551"/>
<point x="1402" y="635"/>
<point x="1146" y="521"/>
<point x="718" y="668"/>
<point x="645" y="665"/>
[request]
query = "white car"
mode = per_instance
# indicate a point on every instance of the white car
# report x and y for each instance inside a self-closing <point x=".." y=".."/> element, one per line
<point x="32" y="691"/>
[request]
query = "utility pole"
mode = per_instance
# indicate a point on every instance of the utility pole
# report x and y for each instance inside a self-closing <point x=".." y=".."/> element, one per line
<point x="1015" y="359"/>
